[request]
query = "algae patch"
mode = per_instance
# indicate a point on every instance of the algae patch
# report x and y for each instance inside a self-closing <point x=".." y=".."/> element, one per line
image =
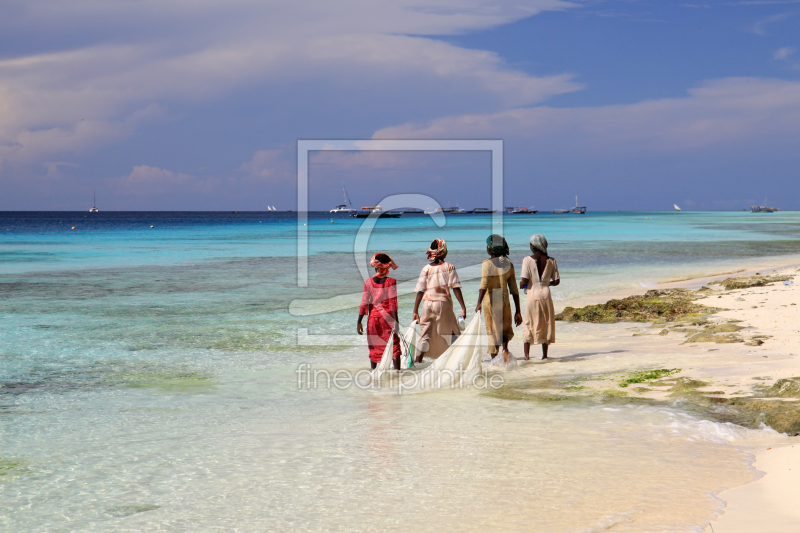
<point x="11" y="469"/>
<point x="655" y="305"/>
<point x="745" y="282"/>
<point x="648" y="375"/>
<point x="121" y="511"/>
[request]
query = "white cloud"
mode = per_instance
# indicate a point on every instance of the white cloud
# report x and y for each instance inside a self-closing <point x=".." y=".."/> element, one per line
<point x="760" y="27"/>
<point x="271" y="165"/>
<point x="783" y="53"/>
<point x="153" y="181"/>
<point x="137" y="58"/>
<point x="720" y="112"/>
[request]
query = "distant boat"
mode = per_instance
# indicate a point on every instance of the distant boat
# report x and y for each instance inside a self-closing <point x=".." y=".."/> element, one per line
<point x="524" y="211"/>
<point x="578" y="210"/>
<point x="459" y="211"/>
<point x="345" y="207"/>
<point x="561" y="211"/>
<point x="94" y="203"/>
<point x="483" y="211"/>
<point x="763" y="208"/>
<point x="676" y="207"/>
<point x="413" y="211"/>
<point x="376" y="210"/>
<point x="433" y="210"/>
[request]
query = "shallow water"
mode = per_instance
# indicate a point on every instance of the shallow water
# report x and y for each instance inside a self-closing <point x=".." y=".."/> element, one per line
<point x="149" y="382"/>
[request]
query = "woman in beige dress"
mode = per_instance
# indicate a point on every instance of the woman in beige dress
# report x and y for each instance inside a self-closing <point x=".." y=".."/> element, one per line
<point x="438" y="322"/>
<point x="539" y="273"/>
<point x="497" y="281"/>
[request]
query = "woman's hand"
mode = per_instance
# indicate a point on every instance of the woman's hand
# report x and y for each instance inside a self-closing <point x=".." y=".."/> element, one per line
<point x="464" y="312"/>
<point x="415" y="316"/>
<point x="360" y="328"/>
<point x="517" y="318"/>
<point x="478" y="307"/>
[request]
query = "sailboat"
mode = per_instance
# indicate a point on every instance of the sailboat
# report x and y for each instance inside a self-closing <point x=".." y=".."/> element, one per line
<point x="763" y="208"/>
<point x="94" y="203"/>
<point x="346" y="207"/>
<point x="580" y="210"/>
<point x="676" y="207"/>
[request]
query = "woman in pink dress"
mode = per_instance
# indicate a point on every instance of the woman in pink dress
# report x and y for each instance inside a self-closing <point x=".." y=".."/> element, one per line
<point x="379" y="301"/>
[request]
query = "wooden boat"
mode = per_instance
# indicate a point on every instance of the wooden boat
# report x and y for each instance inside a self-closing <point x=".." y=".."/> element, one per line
<point x="376" y="211"/>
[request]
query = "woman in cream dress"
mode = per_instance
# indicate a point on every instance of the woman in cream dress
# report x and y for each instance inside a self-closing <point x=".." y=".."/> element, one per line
<point x="438" y="322"/>
<point x="539" y="273"/>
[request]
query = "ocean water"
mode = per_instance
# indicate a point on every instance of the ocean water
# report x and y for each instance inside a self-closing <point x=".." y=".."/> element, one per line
<point x="149" y="380"/>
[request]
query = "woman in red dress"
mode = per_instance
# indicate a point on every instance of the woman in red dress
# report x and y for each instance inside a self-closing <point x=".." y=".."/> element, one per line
<point x="379" y="301"/>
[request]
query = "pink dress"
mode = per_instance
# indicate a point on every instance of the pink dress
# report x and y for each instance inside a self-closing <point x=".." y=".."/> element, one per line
<point x="378" y="301"/>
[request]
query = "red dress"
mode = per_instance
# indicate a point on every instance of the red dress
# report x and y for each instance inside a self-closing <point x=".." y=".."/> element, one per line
<point x="378" y="301"/>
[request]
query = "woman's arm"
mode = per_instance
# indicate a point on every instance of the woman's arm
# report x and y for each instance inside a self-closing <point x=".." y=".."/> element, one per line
<point x="359" y="326"/>
<point x="523" y="283"/>
<point x="416" y="307"/>
<point x="517" y="313"/>
<point x="460" y="298"/>
<point x="481" y="294"/>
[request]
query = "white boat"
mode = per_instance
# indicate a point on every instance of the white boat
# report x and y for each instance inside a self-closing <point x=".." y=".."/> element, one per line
<point x="483" y="210"/>
<point x="94" y="203"/>
<point x="346" y="207"/>
<point x="433" y="210"/>
<point x="676" y="207"/>
<point x="560" y="211"/>
<point x="579" y="210"/>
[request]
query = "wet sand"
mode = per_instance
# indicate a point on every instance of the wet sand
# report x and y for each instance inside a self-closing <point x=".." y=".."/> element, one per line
<point x="591" y="361"/>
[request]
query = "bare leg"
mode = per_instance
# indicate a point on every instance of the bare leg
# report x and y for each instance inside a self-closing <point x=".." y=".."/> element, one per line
<point x="419" y="357"/>
<point x="544" y="350"/>
<point x="497" y="349"/>
<point x="373" y="364"/>
<point x="505" y="352"/>
<point x="527" y="348"/>
<point x="396" y="362"/>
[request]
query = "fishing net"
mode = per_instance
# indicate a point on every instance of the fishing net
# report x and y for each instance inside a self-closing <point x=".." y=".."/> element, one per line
<point x="455" y="368"/>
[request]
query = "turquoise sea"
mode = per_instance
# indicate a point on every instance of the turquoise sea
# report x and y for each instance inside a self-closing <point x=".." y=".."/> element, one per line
<point x="149" y="379"/>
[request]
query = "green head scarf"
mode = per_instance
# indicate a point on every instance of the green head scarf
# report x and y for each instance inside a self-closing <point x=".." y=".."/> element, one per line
<point x="497" y="245"/>
<point x="539" y="243"/>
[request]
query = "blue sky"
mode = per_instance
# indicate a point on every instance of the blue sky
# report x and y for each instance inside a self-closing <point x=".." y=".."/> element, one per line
<point x="179" y="105"/>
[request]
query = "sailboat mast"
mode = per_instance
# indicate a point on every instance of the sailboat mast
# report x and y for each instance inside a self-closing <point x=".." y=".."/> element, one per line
<point x="94" y="198"/>
<point x="346" y="198"/>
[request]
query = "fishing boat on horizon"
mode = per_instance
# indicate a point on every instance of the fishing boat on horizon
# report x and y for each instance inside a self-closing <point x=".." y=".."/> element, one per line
<point x="376" y="211"/>
<point x="763" y="208"/>
<point x="483" y="211"/>
<point x="578" y="210"/>
<point x="94" y="203"/>
<point x="346" y="207"/>
<point x="524" y="211"/>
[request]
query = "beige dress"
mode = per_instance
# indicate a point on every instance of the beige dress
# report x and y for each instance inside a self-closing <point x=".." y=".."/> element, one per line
<point x="497" y="277"/>
<point x="540" y="321"/>
<point x="437" y="321"/>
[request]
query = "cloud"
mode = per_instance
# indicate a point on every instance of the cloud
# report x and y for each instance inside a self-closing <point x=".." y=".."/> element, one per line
<point x="783" y="53"/>
<point x="145" y="181"/>
<point x="722" y="112"/>
<point x="103" y="76"/>
<point x="271" y="165"/>
<point x="760" y="27"/>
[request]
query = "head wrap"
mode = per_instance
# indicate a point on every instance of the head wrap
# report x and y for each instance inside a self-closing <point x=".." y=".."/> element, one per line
<point x="539" y="243"/>
<point x="439" y="253"/>
<point x="383" y="268"/>
<point x="497" y="245"/>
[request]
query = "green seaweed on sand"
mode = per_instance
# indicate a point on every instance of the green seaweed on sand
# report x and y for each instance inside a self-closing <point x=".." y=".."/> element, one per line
<point x="10" y="469"/>
<point x="170" y="381"/>
<point x="655" y="305"/>
<point x="745" y="282"/>
<point x="648" y="375"/>
<point x="121" y="511"/>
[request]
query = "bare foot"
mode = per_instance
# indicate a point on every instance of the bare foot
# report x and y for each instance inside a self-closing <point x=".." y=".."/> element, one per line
<point x="505" y="356"/>
<point x="544" y="357"/>
<point x="527" y="357"/>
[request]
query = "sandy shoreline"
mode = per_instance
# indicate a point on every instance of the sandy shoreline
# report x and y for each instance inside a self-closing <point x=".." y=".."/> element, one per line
<point x="598" y="356"/>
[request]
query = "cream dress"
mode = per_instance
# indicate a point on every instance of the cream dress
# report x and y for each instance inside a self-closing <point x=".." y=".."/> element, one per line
<point x="437" y="321"/>
<point x="540" y="317"/>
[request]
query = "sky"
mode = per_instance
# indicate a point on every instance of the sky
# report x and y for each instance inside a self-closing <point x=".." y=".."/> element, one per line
<point x="178" y="105"/>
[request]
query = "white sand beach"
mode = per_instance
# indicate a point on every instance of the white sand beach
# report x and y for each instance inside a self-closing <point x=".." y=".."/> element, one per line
<point x="743" y="364"/>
